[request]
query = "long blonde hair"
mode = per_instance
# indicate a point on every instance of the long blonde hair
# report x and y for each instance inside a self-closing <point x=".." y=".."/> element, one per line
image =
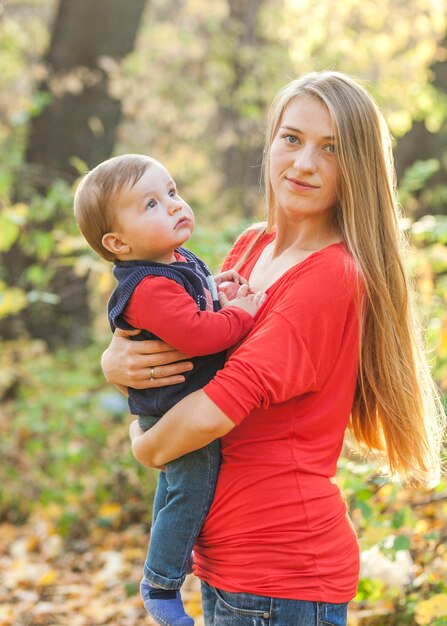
<point x="396" y="411"/>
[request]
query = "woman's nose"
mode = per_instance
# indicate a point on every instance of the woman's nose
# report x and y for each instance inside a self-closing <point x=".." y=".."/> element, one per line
<point x="306" y="159"/>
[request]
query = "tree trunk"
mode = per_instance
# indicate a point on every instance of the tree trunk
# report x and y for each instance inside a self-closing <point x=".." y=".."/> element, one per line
<point x="240" y="161"/>
<point x="419" y="144"/>
<point x="80" y="122"/>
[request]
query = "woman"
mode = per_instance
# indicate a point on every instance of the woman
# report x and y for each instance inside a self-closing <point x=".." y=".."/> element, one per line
<point x="334" y="345"/>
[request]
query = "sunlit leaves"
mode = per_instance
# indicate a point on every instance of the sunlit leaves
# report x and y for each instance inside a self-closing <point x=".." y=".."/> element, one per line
<point x="11" y="218"/>
<point x="12" y="300"/>
<point x="431" y="229"/>
<point x="403" y="556"/>
<point x="414" y="179"/>
<point x="378" y="41"/>
<point x="432" y="610"/>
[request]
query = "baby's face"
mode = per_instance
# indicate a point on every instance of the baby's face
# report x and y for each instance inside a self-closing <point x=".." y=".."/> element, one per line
<point x="152" y="218"/>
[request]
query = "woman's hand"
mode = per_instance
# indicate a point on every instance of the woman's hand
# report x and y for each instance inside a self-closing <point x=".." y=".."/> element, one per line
<point x="142" y="364"/>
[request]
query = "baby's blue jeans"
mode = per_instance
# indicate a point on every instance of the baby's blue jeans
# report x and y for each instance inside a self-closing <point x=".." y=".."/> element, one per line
<point x="182" y="500"/>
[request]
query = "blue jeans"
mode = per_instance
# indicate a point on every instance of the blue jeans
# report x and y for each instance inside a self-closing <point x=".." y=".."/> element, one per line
<point x="222" y="608"/>
<point x="182" y="500"/>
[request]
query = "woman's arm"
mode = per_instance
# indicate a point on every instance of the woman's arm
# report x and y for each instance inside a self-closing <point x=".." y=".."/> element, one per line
<point x="127" y="363"/>
<point x="191" y="424"/>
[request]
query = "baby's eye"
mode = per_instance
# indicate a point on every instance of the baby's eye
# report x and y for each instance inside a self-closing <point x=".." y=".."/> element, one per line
<point x="151" y="204"/>
<point x="173" y="193"/>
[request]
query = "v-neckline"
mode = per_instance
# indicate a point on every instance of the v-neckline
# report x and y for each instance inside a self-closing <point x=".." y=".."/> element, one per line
<point x="271" y="237"/>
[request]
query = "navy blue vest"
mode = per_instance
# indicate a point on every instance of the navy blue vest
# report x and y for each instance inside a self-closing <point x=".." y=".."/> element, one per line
<point x="194" y="276"/>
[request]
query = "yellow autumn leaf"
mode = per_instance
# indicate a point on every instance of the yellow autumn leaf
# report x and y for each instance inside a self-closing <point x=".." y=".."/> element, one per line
<point x="110" y="509"/>
<point x="49" y="578"/>
<point x="32" y="543"/>
<point x="430" y="609"/>
<point x="442" y="349"/>
<point x="422" y="526"/>
<point x="193" y="605"/>
<point x="374" y="534"/>
<point x="6" y="616"/>
<point x="105" y="282"/>
<point x="134" y="553"/>
<point x="110" y="514"/>
<point x="19" y="211"/>
<point x="12" y="300"/>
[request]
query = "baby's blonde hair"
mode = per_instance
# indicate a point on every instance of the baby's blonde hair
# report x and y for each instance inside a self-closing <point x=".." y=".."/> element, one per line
<point x="94" y="206"/>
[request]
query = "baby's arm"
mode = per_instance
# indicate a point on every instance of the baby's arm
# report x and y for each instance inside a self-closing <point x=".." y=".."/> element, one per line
<point x="242" y="298"/>
<point x="164" y="308"/>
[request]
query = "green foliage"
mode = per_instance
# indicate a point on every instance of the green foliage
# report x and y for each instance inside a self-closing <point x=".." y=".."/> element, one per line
<point x="418" y="193"/>
<point x="428" y="266"/>
<point x="212" y="244"/>
<point x="43" y="229"/>
<point x="370" y="589"/>
<point x="431" y="229"/>
<point x="62" y="442"/>
<point x="391" y="520"/>
<point x="415" y="178"/>
<point x="11" y="219"/>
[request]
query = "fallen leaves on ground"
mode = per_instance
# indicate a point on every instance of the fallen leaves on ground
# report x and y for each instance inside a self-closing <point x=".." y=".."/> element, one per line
<point x="94" y="582"/>
<point x="91" y="577"/>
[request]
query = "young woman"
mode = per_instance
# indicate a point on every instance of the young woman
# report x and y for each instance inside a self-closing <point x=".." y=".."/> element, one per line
<point x="334" y="346"/>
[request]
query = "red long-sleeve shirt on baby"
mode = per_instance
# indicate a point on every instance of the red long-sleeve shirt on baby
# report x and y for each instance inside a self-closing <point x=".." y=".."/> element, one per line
<point x="164" y="308"/>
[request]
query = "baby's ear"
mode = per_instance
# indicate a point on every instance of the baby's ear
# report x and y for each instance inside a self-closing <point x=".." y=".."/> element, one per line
<point x="114" y="244"/>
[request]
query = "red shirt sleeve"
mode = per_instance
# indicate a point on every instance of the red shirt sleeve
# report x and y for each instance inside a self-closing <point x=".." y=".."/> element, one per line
<point x="164" y="308"/>
<point x="297" y="336"/>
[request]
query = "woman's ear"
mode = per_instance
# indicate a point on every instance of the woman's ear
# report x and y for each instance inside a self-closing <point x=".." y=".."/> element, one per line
<point x="114" y="244"/>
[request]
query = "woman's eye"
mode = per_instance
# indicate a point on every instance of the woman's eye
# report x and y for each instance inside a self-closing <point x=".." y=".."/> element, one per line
<point x="151" y="204"/>
<point x="291" y="139"/>
<point x="331" y="148"/>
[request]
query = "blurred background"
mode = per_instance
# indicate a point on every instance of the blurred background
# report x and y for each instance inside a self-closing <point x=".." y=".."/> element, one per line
<point x="189" y="83"/>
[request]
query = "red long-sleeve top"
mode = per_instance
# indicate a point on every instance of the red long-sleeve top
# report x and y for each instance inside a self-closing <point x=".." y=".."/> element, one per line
<point x="278" y="524"/>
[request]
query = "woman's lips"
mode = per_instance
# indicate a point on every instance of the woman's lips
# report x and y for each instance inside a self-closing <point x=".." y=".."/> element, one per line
<point x="301" y="183"/>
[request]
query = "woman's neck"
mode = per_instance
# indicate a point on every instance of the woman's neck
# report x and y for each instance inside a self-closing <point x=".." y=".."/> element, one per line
<point x="304" y="236"/>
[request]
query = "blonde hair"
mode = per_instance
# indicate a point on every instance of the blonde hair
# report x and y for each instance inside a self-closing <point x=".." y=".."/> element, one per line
<point x="94" y="206"/>
<point x="396" y="411"/>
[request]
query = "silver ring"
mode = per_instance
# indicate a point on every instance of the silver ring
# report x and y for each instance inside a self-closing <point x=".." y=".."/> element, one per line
<point x="151" y="373"/>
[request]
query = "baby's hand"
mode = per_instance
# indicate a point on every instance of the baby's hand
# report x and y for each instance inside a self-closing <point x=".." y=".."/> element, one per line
<point x="229" y="276"/>
<point x="246" y="300"/>
<point x="228" y="288"/>
<point x="229" y="282"/>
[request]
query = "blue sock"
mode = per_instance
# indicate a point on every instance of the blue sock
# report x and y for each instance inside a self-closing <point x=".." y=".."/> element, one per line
<point x="164" y="606"/>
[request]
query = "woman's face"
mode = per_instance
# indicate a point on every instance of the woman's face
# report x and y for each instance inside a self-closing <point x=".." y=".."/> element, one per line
<point x="304" y="169"/>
